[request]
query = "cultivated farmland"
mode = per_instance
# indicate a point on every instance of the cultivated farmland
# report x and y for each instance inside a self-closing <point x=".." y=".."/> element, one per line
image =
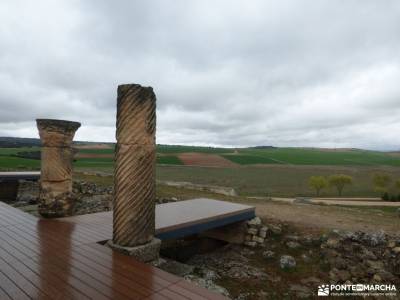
<point x="250" y="171"/>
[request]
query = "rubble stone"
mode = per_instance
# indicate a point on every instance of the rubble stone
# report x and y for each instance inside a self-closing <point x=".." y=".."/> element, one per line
<point x="287" y="262"/>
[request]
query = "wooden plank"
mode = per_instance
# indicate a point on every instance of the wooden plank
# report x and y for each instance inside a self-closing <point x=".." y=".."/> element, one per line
<point x="157" y="296"/>
<point x="18" y="247"/>
<point x="3" y="294"/>
<point x="15" y="215"/>
<point x="89" y="287"/>
<point x="53" y="277"/>
<point x="121" y="274"/>
<point x="69" y="275"/>
<point x="170" y="294"/>
<point x="89" y="266"/>
<point x="144" y="274"/>
<point x="185" y="292"/>
<point x="51" y="291"/>
<point x="200" y="291"/>
<point x="23" y="283"/>
<point x="130" y="261"/>
<point x="47" y="259"/>
<point x="11" y="289"/>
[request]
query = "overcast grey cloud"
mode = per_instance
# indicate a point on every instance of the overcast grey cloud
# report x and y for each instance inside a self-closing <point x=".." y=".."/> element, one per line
<point x="231" y="73"/>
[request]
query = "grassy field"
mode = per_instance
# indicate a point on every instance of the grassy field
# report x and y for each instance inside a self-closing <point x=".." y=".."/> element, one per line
<point x="300" y="156"/>
<point x="278" y="180"/>
<point x="259" y="172"/>
<point x="10" y="162"/>
<point x="291" y="156"/>
<point x="275" y="180"/>
<point x="246" y="159"/>
<point x="168" y="160"/>
<point x="173" y="149"/>
<point x="246" y="156"/>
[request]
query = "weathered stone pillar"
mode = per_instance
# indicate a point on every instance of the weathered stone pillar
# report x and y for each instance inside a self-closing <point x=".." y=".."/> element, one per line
<point x="134" y="175"/>
<point x="55" y="198"/>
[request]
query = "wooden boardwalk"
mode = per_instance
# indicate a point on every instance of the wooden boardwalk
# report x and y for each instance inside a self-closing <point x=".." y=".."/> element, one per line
<point x="56" y="259"/>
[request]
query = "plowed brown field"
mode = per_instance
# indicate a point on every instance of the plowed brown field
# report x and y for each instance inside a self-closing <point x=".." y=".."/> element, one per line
<point x="205" y="160"/>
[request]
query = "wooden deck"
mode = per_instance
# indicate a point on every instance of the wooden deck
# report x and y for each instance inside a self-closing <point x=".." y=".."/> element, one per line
<point x="61" y="259"/>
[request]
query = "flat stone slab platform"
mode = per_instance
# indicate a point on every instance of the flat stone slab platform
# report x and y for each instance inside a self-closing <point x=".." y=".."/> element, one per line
<point x="178" y="219"/>
<point x="11" y="176"/>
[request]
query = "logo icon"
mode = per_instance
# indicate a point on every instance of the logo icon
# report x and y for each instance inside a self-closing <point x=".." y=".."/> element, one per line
<point x="323" y="290"/>
<point x="360" y="287"/>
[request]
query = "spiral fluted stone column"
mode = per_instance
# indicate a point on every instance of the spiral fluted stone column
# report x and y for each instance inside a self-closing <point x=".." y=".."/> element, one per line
<point x="134" y="175"/>
<point x="55" y="198"/>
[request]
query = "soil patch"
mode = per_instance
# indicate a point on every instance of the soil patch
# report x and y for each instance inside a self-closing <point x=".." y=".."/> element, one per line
<point x="205" y="160"/>
<point x="320" y="217"/>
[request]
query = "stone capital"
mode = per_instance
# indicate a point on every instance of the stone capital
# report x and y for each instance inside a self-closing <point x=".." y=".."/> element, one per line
<point x="56" y="133"/>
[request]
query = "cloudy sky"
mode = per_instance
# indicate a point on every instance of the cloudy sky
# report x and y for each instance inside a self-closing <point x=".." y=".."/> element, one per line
<point x="233" y="73"/>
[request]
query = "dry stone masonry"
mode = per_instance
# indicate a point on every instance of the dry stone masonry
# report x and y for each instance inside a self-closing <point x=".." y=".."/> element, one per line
<point x="55" y="197"/>
<point x="256" y="233"/>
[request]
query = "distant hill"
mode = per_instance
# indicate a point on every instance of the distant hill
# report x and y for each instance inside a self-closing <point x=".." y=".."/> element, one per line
<point x="16" y="142"/>
<point x="262" y="147"/>
<point x="13" y="142"/>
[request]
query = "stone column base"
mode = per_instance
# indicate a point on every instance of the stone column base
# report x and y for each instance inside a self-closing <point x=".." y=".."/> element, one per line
<point x="58" y="206"/>
<point x="144" y="253"/>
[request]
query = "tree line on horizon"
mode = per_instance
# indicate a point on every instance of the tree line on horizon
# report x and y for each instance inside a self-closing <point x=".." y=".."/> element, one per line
<point x="382" y="183"/>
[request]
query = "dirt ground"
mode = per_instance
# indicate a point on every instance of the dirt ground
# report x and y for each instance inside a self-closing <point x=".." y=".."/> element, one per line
<point x="308" y="217"/>
<point x="205" y="160"/>
<point x="341" y="201"/>
<point x="311" y="217"/>
<point x="320" y="217"/>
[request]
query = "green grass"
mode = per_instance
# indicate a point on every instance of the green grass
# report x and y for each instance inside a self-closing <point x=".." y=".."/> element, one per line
<point x="97" y="151"/>
<point x="169" y="160"/>
<point x="249" y="156"/>
<point x="16" y="163"/>
<point x="167" y="149"/>
<point x="293" y="156"/>
<point x="278" y="180"/>
<point x="250" y="159"/>
<point x="94" y="163"/>
<point x="286" y="171"/>
<point x="11" y="151"/>
<point x="300" y="156"/>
